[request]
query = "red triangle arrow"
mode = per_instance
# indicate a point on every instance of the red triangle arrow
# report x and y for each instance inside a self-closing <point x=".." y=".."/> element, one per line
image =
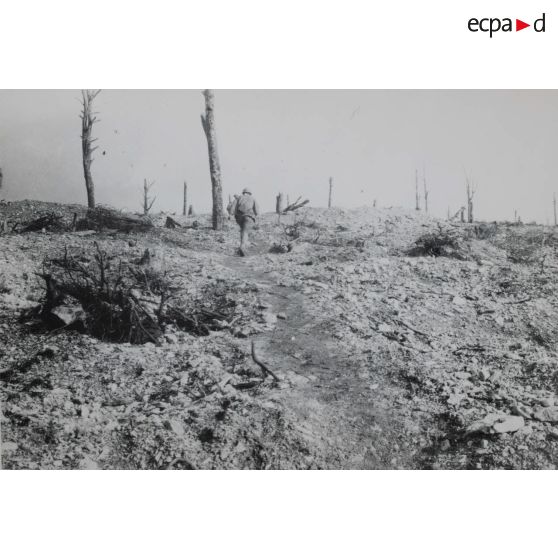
<point x="519" y="25"/>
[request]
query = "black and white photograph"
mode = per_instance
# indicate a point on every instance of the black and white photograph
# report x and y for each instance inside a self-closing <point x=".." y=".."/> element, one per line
<point x="278" y="279"/>
<point x="265" y="279"/>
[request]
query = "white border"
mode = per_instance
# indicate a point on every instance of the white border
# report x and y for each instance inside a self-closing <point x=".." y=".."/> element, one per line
<point x="287" y="44"/>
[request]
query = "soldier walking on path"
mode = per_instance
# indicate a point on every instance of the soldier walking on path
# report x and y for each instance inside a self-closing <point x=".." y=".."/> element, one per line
<point x="245" y="212"/>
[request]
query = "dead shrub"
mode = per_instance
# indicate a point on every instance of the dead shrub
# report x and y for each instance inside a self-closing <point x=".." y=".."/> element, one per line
<point x="51" y="222"/>
<point x="524" y="247"/>
<point x="485" y="231"/>
<point x="102" y="218"/>
<point x="124" y="302"/>
<point x="441" y="243"/>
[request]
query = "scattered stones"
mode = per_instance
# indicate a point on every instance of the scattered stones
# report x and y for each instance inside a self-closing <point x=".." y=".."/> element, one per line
<point x="171" y="338"/>
<point x="496" y="423"/>
<point x="69" y="314"/>
<point x="508" y="424"/>
<point x="521" y="410"/>
<point x="176" y="426"/>
<point x="88" y="464"/>
<point x="8" y="447"/>
<point x="547" y="414"/>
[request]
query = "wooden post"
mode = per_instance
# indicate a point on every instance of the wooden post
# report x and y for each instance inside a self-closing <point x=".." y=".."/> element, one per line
<point x="279" y="204"/>
<point x="88" y="118"/>
<point x="208" y="124"/>
<point x="330" y="192"/>
<point x="185" y="199"/>
<point x="470" y="194"/>
<point x="417" y="199"/>
<point x="425" y="191"/>
<point x="147" y="201"/>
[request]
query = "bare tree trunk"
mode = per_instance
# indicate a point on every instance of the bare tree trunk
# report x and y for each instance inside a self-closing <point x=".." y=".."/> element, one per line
<point x="191" y="211"/>
<point x="470" y="195"/>
<point x="426" y="192"/>
<point x="462" y="210"/>
<point x="330" y="192"/>
<point x="417" y="199"/>
<point x="554" y="203"/>
<point x="279" y="206"/>
<point x="208" y="123"/>
<point x="185" y="200"/>
<point x="147" y="201"/>
<point x="1" y="179"/>
<point x="88" y="118"/>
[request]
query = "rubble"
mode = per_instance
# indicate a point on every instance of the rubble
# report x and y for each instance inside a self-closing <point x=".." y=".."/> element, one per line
<point x="434" y="361"/>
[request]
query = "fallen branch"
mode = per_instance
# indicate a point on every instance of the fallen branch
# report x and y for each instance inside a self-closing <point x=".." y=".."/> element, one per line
<point x="528" y="299"/>
<point x="296" y="205"/>
<point x="263" y="366"/>
<point x="486" y="311"/>
<point x="403" y="323"/>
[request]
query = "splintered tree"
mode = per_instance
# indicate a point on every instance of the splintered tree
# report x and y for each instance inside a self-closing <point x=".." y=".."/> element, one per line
<point x="279" y="203"/>
<point x="208" y="124"/>
<point x="279" y="206"/>
<point x="417" y="198"/>
<point x="88" y="118"/>
<point x="470" y="189"/>
<point x="330" y="192"/>
<point x="147" y="201"/>
<point x="185" y="200"/>
<point x="426" y="192"/>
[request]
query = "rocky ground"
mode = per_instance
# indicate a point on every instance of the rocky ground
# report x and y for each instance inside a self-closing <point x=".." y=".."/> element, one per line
<point x="400" y="341"/>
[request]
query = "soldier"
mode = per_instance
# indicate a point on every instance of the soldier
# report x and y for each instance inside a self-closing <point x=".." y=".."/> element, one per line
<point x="245" y="212"/>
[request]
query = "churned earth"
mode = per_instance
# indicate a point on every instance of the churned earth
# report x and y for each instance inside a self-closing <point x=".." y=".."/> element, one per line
<point x="389" y="353"/>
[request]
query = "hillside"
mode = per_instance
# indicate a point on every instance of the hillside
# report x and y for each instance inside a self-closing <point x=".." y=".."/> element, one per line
<point x="390" y="353"/>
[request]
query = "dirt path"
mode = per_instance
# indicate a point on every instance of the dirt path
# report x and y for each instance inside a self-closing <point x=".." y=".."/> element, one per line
<point x="342" y="405"/>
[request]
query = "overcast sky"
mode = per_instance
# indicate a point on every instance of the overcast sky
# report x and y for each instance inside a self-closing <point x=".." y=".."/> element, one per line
<point x="371" y="142"/>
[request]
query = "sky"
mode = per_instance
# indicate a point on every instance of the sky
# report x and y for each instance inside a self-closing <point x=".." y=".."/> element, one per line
<point x="370" y="141"/>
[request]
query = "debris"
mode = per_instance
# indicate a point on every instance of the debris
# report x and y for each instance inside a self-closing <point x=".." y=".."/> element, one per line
<point x="170" y="223"/>
<point x="508" y="424"/>
<point x="547" y="414"/>
<point x="264" y="367"/>
<point x="496" y="423"/>
<point x="69" y="314"/>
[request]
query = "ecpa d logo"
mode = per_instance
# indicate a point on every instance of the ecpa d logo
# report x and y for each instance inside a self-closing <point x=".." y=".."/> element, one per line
<point x="493" y="25"/>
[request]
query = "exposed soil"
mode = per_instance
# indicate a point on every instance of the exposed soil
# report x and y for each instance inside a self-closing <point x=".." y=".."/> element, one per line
<point x="388" y="357"/>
